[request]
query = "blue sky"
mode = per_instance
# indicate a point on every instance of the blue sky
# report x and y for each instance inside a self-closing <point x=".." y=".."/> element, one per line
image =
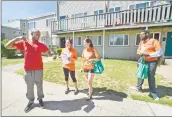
<point x="24" y="9"/>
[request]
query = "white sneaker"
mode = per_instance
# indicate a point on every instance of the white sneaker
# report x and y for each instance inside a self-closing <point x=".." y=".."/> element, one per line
<point x="155" y="96"/>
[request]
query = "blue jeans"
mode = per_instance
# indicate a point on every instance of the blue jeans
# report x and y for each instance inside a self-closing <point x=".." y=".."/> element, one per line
<point x="151" y="76"/>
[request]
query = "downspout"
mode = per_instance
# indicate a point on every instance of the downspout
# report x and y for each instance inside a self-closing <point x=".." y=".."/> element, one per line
<point x="103" y="44"/>
<point x="57" y="20"/>
<point x="73" y="39"/>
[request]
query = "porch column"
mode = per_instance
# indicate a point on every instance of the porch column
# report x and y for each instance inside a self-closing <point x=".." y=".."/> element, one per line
<point x="57" y="11"/>
<point x="103" y="44"/>
<point x="73" y="38"/>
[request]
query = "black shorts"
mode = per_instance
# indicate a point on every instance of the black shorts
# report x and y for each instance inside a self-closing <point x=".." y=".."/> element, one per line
<point x="89" y="71"/>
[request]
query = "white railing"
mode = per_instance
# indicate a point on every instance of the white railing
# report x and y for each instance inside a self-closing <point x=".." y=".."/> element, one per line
<point x="156" y="14"/>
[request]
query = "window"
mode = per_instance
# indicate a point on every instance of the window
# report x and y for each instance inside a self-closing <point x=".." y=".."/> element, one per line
<point x="24" y="25"/>
<point x="117" y="9"/>
<point x="118" y="40"/>
<point x="31" y="25"/>
<point x="78" y="15"/>
<point x="111" y="10"/>
<point x="98" y="12"/>
<point x="95" y="12"/>
<point x="97" y="40"/>
<point x="170" y="1"/>
<point x="111" y="39"/>
<point x="155" y="35"/>
<point x="132" y="7"/>
<point x="142" y="5"/>
<point x="73" y="16"/>
<point x="48" y="22"/>
<point x="126" y="40"/>
<point x="137" y="39"/>
<point x="2" y="35"/>
<point x="85" y="14"/>
<point x="153" y="3"/>
<point x="78" y="41"/>
<point x="72" y="20"/>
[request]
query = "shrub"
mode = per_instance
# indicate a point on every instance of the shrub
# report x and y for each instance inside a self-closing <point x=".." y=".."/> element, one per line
<point x="7" y="52"/>
<point x="59" y="51"/>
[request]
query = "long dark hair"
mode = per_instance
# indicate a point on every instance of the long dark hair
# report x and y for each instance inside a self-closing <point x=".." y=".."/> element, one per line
<point x="70" y="40"/>
<point x="90" y="42"/>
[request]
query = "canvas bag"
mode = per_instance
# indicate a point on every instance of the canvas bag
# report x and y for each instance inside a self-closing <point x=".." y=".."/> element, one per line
<point x="98" y="66"/>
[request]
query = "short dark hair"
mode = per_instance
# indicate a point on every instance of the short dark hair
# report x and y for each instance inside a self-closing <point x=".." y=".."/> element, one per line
<point x="89" y="41"/>
<point x="35" y="31"/>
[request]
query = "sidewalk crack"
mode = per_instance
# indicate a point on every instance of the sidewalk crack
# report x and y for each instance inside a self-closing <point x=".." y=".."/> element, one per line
<point x="10" y="104"/>
<point x="151" y="109"/>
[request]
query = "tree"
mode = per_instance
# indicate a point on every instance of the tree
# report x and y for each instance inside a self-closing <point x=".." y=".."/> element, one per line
<point x="6" y="52"/>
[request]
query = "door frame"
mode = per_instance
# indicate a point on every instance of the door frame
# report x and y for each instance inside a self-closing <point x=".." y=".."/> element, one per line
<point x="167" y="57"/>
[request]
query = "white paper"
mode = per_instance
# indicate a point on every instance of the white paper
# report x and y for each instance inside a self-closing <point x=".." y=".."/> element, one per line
<point x="65" y="58"/>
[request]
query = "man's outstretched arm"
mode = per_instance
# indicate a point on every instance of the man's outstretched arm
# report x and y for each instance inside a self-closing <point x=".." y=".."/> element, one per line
<point x="11" y="43"/>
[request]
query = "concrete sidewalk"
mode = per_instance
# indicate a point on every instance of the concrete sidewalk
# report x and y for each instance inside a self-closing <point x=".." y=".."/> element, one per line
<point x="165" y="71"/>
<point x="57" y="103"/>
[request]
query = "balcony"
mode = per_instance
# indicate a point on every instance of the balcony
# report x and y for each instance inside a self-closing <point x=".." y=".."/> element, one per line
<point x="151" y="15"/>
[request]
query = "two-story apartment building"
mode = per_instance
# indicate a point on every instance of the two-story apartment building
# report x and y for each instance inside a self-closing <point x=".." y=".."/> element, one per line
<point x="18" y="24"/>
<point x="9" y="32"/>
<point x="43" y="23"/>
<point x="113" y="26"/>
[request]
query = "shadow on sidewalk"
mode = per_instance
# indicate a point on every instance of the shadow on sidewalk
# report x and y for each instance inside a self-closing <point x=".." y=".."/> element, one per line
<point x="162" y="91"/>
<point x="106" y="94"/>
<point x="66" y="106"/>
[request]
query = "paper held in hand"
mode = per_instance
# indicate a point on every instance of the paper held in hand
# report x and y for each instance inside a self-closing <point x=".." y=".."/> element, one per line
<point x="65" y="59"/>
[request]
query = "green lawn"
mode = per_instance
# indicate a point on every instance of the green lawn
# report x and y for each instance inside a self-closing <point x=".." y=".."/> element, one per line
<point x="11" y="61"/>
<point x="118" y="76"/>
<point x="6" y="61"/>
